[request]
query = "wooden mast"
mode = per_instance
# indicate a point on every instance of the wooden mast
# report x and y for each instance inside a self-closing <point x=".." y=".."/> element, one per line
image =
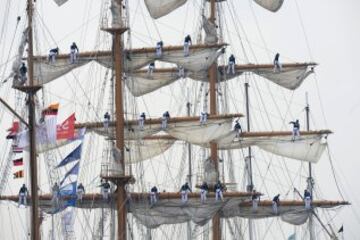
<point x="35" y="221"/>
<point x="121" y="195"/>
<point x="216" y="231"/>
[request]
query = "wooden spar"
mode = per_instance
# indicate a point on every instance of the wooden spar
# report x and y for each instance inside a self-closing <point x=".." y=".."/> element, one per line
<point x="282" y="133"/>
<point x="35" y="220"/>
<point x="96" y="54"/>
<point x="91" y="125"/>
<point x="140" y="196"/>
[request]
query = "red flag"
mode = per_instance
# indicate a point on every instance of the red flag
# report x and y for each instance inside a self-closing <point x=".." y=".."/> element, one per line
<point x="18" y="162"/>
<point x="67" y="129"/>
<point x="13" y="130"/>
<point x="19" y="174"/>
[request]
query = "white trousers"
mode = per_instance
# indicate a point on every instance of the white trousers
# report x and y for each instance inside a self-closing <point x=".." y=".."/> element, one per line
<point x="275" y="207"/>
<point x="73" y="56"/>
<point x="203" y="195"/>
<point x="295" y="133"/>
<point x="22" y="199"/>
<point x="184" y="196"/>
<point x="307" y="201"/>
<point x="164" y="123"/>
<point x="52" y="56"/>
<point x="218" y="195"/>
<point x="231" y="68"/>
<point x="255" y="204"/>
<point x="158" y="51"/>
<point x="105" y="193"/>
<point x="203" y="119"/>
<point x="153" y="199"/>
<point x="186" y="48"/>
<point x="141" y="123"/>
<point x="79" y="194"/>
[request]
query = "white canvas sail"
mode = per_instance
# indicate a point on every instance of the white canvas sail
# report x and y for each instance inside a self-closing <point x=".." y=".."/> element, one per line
<point x="159" y="8"/>
<point x="137" y="151"/>
<point x="271" y="5"/>
<point x="140" y="83"/>
<point x="60" y="2"/>
<point x="289" y="77"/>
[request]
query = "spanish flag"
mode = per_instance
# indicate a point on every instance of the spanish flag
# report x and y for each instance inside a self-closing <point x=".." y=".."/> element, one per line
<point x="19" y="174"/>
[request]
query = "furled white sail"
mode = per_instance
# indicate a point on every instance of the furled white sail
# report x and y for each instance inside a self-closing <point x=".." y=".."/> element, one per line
<point x="288" y="77"/>
<point x="304" y="149"/>
<point x="307" y="148"/>
<point x="196" y="133"/>
<point x="115" y="8"/>
<point x="173" y="212"/>
<point x="210" y="31"/>
<point x="271" y="5"/>
<point x="198" y="60"/>
<point x="159" y="8"/>
<point x="137" y="151"/>
<point x="140" y="83"/>
<point x="15" y="74"/>
<point x="296" y="218"/>
<point x="60" y="2"/>
<point x="45" y="72"/>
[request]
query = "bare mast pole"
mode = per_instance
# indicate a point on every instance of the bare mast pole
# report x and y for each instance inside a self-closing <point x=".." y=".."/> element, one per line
<point x="31" y="90"/>
<point x="188" y="106"/>
<point x="248" y="162"/>
<point x="310" y="179"/>
<point x="119" y="112"/>
<point x="213" y="111"/>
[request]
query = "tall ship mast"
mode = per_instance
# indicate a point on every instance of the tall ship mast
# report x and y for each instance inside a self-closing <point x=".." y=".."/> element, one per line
<point x="96" y="169"/>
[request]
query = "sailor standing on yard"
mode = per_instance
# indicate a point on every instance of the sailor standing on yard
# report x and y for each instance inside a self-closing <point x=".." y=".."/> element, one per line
<point x="80" y="191"/>
<point x="218" y="191"/>
<point x="203" y="118"/>
<point x="106" y="120"/>
<point x="165" y="119"/>
<point x="277" y="65"/>
<point x="276" y="203"/>
<point x="296" y="129"/>
<point x="187" y="43"/>
<point x="52" y="54"/>
<point x="74" y="52"/>
<point x="142" y="120"/>
<point x="105" y="189"/>
<point x="153" y="195"/>
<point x="159" y="47"/>
<point x="151" y="68"/>
<point x="204" y="188"/>
<point x="23" y="192"/>
<point x="237" y="129"/>
<point x="184" y="190"/>
<point x="307" y="199"/>
<point x="231" y="66"/>
<point x="255" y="200"/>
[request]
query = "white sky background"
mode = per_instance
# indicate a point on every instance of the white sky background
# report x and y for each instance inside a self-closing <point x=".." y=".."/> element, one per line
<point x="332" y="30"/>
